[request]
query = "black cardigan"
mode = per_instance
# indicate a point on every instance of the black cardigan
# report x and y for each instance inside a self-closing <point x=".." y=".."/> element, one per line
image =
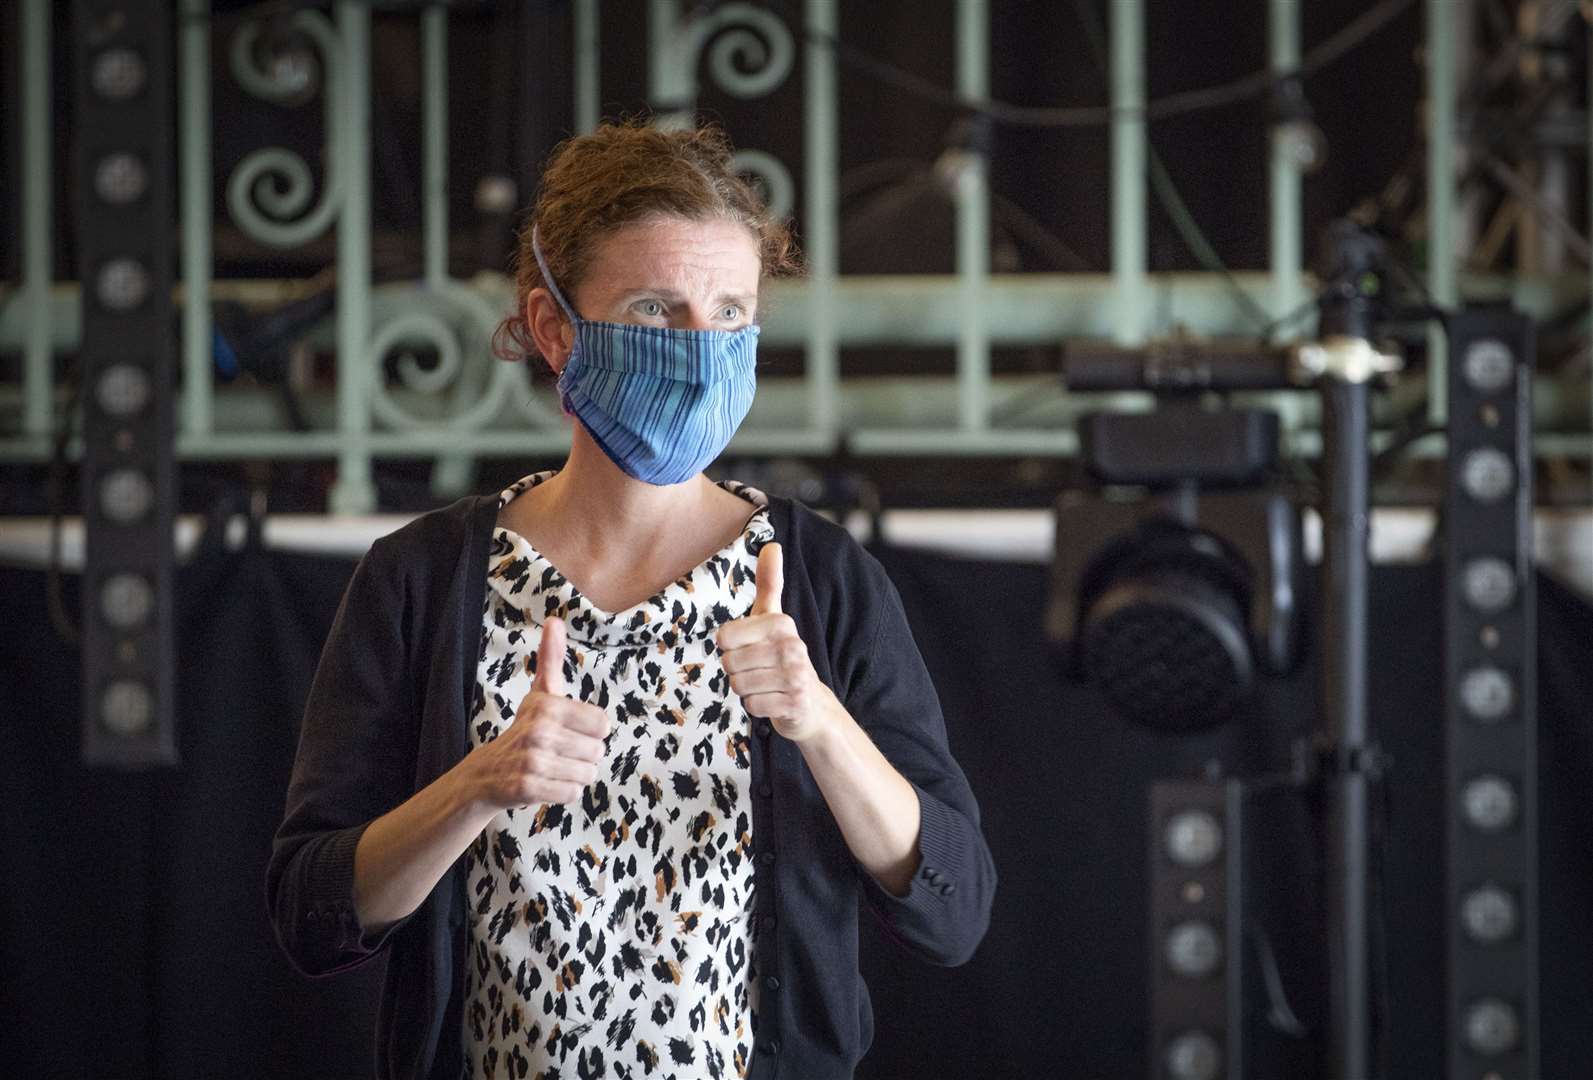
<point x="386" y="716"/>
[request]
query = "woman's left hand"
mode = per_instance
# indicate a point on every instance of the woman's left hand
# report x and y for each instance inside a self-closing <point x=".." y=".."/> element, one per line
<point x="768" y="663"/>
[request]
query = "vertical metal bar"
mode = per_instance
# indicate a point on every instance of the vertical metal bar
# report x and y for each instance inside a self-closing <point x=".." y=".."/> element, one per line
<point x="1442" y="273"/>
<point x="198" y="366"/>
<point x="1285" y="254"/>
<point x="671" y="76"/>
<point x="353" y="493"/>
<point x="973" y="225"/>
<point x="434" y="135"/>
<point x="1128" y="171"/>
<point x="1590" y="221"/>
<point x="37" y="216"/>
<point x="821" y="132"/>
<point x="588" y="66"/>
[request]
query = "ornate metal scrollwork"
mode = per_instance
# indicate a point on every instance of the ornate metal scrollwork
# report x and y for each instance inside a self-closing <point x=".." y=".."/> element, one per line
<point x="271" y="187"/>
<point x="752" y="50"/>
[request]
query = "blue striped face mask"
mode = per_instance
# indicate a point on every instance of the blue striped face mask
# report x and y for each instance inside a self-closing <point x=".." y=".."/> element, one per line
<point x="661" y="403"/>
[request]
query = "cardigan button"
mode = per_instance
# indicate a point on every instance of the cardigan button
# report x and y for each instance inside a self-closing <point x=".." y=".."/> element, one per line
<point x="767" y="923"/>
<point x="769" y="1046"/>
<point x="767" y="858"/>
<point x="765" y="728"/>
<point x="771" y="982"/>
<point x="766" y="790"/>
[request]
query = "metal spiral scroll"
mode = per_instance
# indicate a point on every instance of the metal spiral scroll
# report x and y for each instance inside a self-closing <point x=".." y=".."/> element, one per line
<point x="271" y="187"/>
<point x="458" y="321"/>
<point x="750" y="53"/>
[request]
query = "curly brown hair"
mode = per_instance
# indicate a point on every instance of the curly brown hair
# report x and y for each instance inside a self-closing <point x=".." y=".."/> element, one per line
<point x="620" y="174"/>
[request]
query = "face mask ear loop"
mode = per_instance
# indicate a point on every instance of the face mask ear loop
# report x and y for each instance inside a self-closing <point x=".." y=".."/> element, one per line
<point x="553" y="287"/>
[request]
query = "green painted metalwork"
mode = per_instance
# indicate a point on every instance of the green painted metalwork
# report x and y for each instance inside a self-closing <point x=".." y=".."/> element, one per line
<point x="1285" y="256"/>
<point x="1443" y="80"/>
<point x="1130" y="299"/>
<point x="37" y="211"/>
<point x="465" y="404"/>
<point x="197" y="416"/>
<point x="971" y="177"/>
<point x="822" y="123"/>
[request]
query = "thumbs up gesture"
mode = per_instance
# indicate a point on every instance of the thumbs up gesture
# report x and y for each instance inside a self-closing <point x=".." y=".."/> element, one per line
<point x="551" y="750"/>
<point x="768" y="663"/>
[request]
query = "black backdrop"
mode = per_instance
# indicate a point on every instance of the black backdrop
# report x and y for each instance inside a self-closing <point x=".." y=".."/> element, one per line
<point x="135" y="943"/>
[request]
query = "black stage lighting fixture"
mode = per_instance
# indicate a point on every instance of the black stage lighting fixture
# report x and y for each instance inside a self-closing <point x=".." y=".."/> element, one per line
<point x="1492" y="885"/>
<point x="123" y="121"/>
<point x="1176" y="582"/>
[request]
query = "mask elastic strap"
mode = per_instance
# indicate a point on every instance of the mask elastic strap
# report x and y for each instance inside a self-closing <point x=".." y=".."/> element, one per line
<point x="542" y="264"/>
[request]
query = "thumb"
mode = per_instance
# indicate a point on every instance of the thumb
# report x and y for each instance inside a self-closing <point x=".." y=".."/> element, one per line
<point x="550" y="659"/>
<point x="771" y="579"/>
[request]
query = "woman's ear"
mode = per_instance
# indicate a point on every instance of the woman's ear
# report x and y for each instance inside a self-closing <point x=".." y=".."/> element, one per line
<point x="550" y="329"/>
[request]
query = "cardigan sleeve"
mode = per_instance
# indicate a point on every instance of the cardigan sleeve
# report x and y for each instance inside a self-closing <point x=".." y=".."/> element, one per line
<point x="946" y="910"/>
<point x="356" y="760"/>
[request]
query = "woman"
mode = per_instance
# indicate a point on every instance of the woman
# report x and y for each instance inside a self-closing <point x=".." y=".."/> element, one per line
<point x="606" y="762"/>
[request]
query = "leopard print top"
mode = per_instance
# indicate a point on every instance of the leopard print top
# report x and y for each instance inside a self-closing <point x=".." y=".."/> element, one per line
<point x="614" y="938"/>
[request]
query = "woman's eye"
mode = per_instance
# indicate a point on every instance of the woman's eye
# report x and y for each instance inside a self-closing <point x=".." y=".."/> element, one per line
<point x="730" y="312"/>
<point x="651" y="308"/>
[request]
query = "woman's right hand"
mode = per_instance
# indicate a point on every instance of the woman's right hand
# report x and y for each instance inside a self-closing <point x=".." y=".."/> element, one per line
<point x="551" y="750"/>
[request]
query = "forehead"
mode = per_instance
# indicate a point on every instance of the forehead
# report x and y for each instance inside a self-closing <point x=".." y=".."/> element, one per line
<point x="678" y="251"/>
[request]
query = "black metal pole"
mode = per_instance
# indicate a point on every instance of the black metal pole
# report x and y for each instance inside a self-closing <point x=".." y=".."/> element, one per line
<point x="1349" y="312"/>
<point x="1345" y="527"/>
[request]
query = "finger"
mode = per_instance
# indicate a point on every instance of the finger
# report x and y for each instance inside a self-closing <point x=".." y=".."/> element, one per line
<point x="771" y="580"/>
<point x="556" y="768"/>
<point x="586" y="719"/>
<point x="550" y="659"/>
<point x="770" y="706"/>
<point x="577" y="745"/>
<point x="760" y="681"/>
<point x="763" y="654"/>
<point x="751" y="629"/>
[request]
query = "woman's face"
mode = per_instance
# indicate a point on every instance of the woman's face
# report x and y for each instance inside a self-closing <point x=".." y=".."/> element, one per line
<point x="673" y="272"/>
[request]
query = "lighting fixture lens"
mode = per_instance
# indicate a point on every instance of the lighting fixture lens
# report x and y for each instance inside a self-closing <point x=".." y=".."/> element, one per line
<point x="1488" y="365"/>
<point x="1489" y="803"/>
<point x="1489" y="584"/>
<point x="123" y="284"/>
<point x="1193" y="949"/>
<point x="126" y="496"/>
<point x="126" y="708"/>
<point x="1192" y="838"/>
<point x="1486" y="474"/>
<point x="126" y="600"/>
<point x="1487" y="694"/>
<point x="1489" y="915"/>
<point x="120" y="178"/>
<point x="1492" y="1026"/>
<point x="123" y="389"/>
<point x="1194" y="1055"/>
<point x="118" y="74"/>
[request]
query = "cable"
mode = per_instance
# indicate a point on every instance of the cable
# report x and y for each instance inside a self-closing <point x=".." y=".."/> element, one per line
<point x="60" y="619"/>
<point x="1182" y="103"/>
<point x="1167" y="192"/>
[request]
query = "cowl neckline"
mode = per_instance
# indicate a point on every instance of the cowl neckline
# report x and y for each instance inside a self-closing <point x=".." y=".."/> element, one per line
<point x="717" y="590"/>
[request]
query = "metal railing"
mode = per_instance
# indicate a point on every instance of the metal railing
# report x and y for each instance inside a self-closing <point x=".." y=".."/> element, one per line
<point x="469" y="405"/>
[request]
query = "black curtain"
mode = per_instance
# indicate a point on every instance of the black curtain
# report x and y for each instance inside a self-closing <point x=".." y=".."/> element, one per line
<point x="135" y="943"/>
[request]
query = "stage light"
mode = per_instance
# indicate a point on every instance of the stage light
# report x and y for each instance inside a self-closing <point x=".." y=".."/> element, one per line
<point x="127" y="600"/>
<point x="1488" y="365"/>
<point x="1492" y="1027"/>
<point x="122" y="389"/>
<point x="1489" y="584"/>
<point x="1193" y="1055"/>
<point x="1192" y="838"/>
<point x="126" y="496"/>
<point x="1489" y="914"/>
<point x="1193" y="949"/>
<point x="122" y="284"/>
<point x="1489" y="803"/>
<point x="1487" y="694"/>
<point x="118" y="74"/>
<point x="120" y="178"/>
<point x="1486" y="474"/>
<point x="126" y="708"/>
